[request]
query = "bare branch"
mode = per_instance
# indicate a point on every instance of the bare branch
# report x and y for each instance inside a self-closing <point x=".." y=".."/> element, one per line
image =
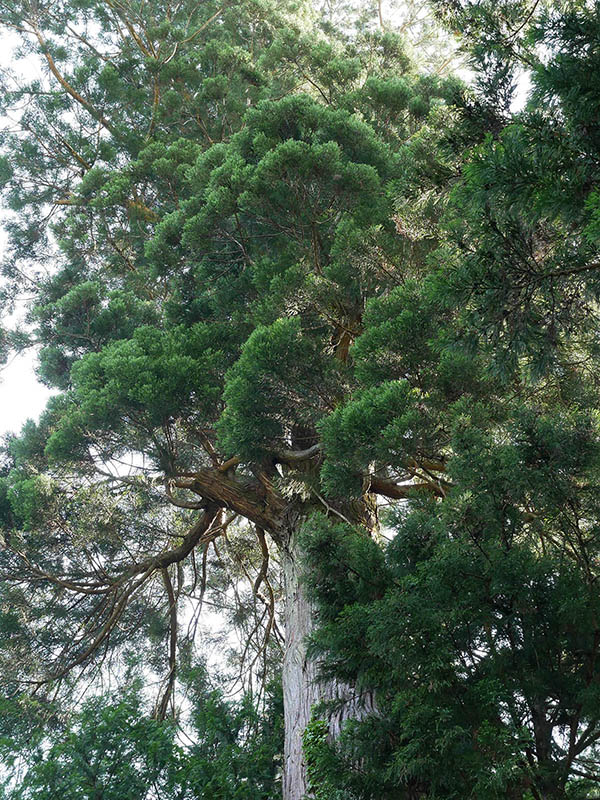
<point x="161" y="711"/>
<point x="396" y="491"/>
<point x="298" y="456"/>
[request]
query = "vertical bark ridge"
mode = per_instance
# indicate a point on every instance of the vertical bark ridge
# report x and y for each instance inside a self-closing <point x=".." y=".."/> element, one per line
<point x="302" y="689"/>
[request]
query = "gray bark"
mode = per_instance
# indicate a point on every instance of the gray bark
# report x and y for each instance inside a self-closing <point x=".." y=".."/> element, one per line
<point x="301" y="688"/>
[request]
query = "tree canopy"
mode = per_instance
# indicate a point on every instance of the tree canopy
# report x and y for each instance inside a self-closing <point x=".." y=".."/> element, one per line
<point x="211" y="260"/>
<point x="476" y="625"/>
<point x="299" y="289"/>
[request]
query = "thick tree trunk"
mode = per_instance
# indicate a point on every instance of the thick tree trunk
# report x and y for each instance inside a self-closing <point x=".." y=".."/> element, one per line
<point x="301" y="687"/>
<point x="551" y="786"/>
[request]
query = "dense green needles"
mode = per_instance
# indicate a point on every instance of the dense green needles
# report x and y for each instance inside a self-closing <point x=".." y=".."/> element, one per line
<point x="322" y="321"/>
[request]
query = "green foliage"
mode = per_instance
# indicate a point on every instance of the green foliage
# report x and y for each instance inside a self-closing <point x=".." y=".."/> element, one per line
<point x="475" y="626"/>
<point x="281" y="257"/>
<point x="372" y="425"/>
<point x="238" y="749"/>
<point x="318" y="755"/>
<point x="448" y="629"/>
<point x="181" y="245"/>
<point x="150" y="377"/>
<point x="269" y="384"/>
<point x="110" y="748"/>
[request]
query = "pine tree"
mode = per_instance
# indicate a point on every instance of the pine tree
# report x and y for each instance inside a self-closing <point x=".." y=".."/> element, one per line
<point x="215" y="190"/>
<point x="111" y="748"/>
<point x="477" y="625"/>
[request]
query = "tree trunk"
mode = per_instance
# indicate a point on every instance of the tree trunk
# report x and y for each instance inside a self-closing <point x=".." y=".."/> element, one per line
<point x="301" y="687"/>
<point x="550" y="787"/>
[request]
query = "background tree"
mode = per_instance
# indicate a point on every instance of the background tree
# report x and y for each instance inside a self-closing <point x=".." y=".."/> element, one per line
<point x="477" y="626"/>
<point x="110" y="748"/>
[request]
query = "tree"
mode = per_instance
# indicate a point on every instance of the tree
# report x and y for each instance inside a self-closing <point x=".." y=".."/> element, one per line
<point x="477" y="625"/>
<point x="111" y="749"/>
<point x="221" y="185"/>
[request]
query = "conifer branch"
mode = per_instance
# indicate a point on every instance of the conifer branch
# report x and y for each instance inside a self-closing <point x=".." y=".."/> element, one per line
<point x="97" y="115"/>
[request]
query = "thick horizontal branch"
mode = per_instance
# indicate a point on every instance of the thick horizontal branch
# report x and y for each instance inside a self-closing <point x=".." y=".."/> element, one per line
<point x="133" y="579"/>
<point x="396" y="491"/>
<point x="429" y="464"/>
<point x="559" y="273"/>
<point x="248" y="498"/>
<point x="108" y="584"/>
<point x="193" y="505"/>
<point x="292" y="457"/>
<point x="298" y="456"/>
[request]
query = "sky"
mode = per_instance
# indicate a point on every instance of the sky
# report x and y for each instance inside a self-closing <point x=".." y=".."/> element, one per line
<point x="22" y="397"/>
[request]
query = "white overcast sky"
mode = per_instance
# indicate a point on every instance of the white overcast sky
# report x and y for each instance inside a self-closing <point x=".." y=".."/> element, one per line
<point x="21" y="395"/>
